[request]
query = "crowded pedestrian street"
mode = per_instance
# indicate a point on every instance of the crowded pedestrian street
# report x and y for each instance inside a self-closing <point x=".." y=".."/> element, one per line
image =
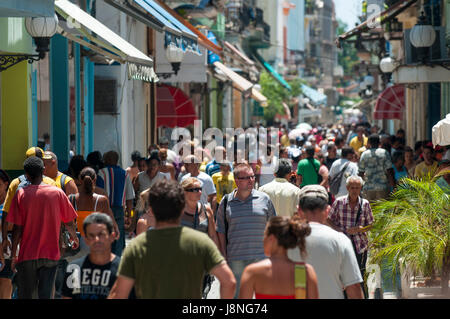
<point x="202" y="150"/>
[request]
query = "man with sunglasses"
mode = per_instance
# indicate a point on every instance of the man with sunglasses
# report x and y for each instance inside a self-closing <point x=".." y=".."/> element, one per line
<point x="241" y="221"/>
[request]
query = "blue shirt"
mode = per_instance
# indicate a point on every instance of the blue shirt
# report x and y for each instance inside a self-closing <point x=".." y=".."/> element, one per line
<point x="400" y="174"/>
<point x="246" y="224"/>
<point x="117" y="184"/>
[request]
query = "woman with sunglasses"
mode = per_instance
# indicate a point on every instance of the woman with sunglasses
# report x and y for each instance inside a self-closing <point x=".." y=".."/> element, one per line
<point x="6" y="273"/>
<point x="200" y="217"/>
<point x="197" y="215"/>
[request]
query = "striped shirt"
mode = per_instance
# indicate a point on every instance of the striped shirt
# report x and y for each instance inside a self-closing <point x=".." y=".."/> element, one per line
<point x="117" y="184"/>
<point x="344" y="217"/>
<point x="246" y="224"/>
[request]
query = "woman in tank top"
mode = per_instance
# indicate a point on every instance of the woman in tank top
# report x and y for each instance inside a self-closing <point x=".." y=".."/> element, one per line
<point x="86" y="201"/>
<point x="196" y="215"/>
<point x="277" y="277"/>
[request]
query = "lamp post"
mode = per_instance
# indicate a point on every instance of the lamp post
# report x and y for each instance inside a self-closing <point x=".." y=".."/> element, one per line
<point x="41" y="30"/>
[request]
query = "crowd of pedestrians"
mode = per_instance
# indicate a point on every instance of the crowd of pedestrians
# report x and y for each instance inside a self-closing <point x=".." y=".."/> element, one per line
<point x="289" y="221"/>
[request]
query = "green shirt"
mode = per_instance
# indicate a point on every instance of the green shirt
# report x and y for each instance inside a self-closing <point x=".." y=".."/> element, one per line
<point x="306" y="169"/>
<point x="169" y="263"/>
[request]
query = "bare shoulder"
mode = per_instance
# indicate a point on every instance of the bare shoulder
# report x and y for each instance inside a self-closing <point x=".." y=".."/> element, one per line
<point x="100" y="191"/>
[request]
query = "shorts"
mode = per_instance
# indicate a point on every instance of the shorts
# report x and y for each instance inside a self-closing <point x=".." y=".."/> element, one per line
<point x="7" y="271"/>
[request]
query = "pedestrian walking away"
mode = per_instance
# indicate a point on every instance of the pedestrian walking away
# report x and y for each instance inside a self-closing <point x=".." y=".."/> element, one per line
<point x="39" y="242"/>
<point x="148" y="263"/>
<point x="330" y="253"/>
<point x="277" y="277"/>
<point x="119" y="189"/>
<point x="282" y="193"/>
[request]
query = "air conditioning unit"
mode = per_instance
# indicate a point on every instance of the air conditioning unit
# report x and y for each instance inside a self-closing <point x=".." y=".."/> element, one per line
<point x="438" y="51"/>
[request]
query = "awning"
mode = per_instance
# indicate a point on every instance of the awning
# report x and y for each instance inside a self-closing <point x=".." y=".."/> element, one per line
<point x="202" y="39"/>
<point x="152" y="14"/>
<point x="390" y="104"/>
<point x="239" y="82"/>
<point x="82" y="25"/>
<point x="315" y="96"/>
<point x="174" y="108"/>
<point x="259" y="97"/>
<point x="382" y="18"/>
<point x="272" y="71"/>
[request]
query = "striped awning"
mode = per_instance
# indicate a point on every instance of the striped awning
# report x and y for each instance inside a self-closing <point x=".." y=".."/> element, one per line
<point x="391" y="103"/>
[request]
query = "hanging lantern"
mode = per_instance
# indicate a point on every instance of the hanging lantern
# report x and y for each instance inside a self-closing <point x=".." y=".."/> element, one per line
<point x="422" y="35"/>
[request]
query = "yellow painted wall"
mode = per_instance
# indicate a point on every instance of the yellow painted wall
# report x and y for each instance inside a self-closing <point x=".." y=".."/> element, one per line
<point x="16" y="115"/>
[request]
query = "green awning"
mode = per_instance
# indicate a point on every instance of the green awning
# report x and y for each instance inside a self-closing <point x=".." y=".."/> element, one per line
<point x="272" y="71"/>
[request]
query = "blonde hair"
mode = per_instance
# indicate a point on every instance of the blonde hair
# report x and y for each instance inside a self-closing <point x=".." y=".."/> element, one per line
<point x="189" y="182"/>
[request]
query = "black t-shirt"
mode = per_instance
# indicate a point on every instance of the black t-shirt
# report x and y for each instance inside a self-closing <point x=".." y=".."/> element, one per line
<point x="89" y="281"/>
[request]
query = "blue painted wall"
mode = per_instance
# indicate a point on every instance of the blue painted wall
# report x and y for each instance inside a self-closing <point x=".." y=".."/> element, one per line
<point x="59" y="100"/>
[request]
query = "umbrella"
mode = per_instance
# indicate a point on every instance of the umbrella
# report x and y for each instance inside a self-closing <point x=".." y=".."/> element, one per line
<point x="298" y="132"/>
<point x="304" y="126"/>
<point x="441" y="132"/>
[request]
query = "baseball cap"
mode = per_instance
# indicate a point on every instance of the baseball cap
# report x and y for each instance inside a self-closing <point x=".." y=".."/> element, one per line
<point x="37" y="151"/>
<point x="314" y="191"/>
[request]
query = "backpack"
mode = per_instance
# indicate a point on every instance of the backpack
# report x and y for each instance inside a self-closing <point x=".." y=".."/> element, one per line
<point x="335" y="181"/>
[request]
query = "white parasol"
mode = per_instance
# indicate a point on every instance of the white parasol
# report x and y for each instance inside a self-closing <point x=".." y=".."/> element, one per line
<point x="441" y="132"/>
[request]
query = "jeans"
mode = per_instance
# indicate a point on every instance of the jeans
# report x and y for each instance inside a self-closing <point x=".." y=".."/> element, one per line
<point x="388" y="282"/>
<point x="36" y="277"/>
<point x="237" y="267"/>
<point x="118" y="245"/>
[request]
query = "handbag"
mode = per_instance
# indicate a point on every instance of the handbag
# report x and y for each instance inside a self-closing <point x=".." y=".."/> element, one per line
<point x="335" y="182"/>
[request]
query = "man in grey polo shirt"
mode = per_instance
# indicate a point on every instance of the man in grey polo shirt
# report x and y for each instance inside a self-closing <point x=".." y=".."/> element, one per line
<point x="241" y="228"/>
<point x="328" y="251"/>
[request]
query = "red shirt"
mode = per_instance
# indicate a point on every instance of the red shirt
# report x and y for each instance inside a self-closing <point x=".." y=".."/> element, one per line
<point x="40" y="209"/>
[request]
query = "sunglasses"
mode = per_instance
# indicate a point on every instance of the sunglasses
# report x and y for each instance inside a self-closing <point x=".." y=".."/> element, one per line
<point x="193" y="190"/>
<point x="247" y="177"/>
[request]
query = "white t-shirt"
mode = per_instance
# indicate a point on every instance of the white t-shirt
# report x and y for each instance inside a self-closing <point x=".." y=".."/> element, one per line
<point x="208" y="187"/>
<point x="338" y="165"/>
<point x="331" y="255"/>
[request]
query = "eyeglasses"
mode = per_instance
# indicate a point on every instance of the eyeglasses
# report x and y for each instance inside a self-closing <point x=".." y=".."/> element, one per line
<point x="193" y="190"/>
<point x="247" y="177"/>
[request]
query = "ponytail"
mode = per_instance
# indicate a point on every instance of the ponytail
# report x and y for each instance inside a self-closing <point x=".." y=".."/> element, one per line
<point x="87" y="177"/>
<point x="88" y="185"/>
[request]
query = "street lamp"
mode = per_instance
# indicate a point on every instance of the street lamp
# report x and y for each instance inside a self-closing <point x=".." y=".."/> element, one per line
<point x="174" y="55"/>
<point x="369" y="80"/>
<point x="41" y="30"/>
<point x="387" y="64"/>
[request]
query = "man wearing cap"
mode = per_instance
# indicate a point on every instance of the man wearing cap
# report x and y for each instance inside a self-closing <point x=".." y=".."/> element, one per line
<point x="328" y="251"/>
<point x="16" y="184"/>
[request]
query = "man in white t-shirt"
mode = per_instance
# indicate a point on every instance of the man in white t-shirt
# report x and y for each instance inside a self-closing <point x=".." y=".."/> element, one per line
<point x="192" y="165"/>
<point x="329" y="252"/>
<point x="350" y="169"/>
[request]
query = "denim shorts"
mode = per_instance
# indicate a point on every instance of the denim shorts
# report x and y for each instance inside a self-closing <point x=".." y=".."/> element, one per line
<point x="7" y="271"/>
